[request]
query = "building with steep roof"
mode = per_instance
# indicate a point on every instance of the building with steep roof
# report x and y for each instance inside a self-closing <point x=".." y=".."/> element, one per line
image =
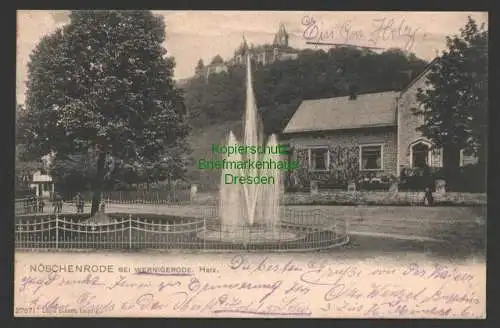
<point x="380" y="129"/>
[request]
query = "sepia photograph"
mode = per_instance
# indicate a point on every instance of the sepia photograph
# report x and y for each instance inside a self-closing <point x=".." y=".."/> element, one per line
<point x="275" y="164"/>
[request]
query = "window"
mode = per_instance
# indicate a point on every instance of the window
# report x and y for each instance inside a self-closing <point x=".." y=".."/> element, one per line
<point x="370" y="157"/>
<point x="319" y="159"/>
<point x="420" y="155"/>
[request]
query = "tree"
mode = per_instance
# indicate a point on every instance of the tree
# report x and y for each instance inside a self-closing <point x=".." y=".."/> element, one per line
<point x="454" y="103"/>
<point x="199" y="66"/>
<point x="74" y="172"/>
<point x="25" y="166"/>
<point x="221" y="96"/>
<point x="103" y="83"/>
<point x="24" y="170"/>
<point x="217" y="60"/>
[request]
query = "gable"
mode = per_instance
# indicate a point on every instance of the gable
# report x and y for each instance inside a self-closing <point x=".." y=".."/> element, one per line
<point x="420" y="77"/>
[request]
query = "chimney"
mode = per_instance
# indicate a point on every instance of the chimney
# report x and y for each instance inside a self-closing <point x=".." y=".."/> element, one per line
<point x="353" y="92"/>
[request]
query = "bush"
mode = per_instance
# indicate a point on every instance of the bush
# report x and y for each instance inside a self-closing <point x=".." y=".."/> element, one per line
<point x="344" y="167"/>
<point x="296" y="188"/>
<point x="469" y="178"/>
<point x="418" y="179"/>
<point x="373" y="185"/>
<point x="370" y="182"/>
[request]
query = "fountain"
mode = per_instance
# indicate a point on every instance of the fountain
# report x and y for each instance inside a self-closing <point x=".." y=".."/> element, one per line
<point x="250" y="213"/>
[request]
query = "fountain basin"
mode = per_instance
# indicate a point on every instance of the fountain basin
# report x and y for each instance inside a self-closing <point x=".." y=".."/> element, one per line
<point x="250" y="235"/>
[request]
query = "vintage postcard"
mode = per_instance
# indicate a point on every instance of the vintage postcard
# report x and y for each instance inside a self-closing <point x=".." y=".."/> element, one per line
<point x="251" y="164"/>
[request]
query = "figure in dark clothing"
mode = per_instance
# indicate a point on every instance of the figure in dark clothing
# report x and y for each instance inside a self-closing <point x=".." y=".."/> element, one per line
<point x="54" y="202"/>
<point x="428" y="197"/>
<point x="27" y="205"/>
<point x="80" y="203"/>
<point x="41" y="205"/>
<point x="58" y="202"/>
<point x="33" y="204"/>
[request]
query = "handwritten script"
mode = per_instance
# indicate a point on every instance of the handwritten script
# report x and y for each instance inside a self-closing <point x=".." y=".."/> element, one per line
<point x="256" y="286"/>
<point x="381" y="30"/>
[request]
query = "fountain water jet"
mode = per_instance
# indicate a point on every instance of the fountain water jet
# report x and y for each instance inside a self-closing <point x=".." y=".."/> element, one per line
<point x="251" y="210"/>
<point x="230" y="196"/>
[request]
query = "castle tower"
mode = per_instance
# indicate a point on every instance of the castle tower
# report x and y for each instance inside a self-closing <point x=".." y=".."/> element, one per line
<point x="244" y="45"/>
<point x="242" y="51"/>
<point x="281" y="38"/>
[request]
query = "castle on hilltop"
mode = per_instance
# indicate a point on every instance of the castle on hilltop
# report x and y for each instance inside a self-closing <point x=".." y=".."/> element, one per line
<point x="263" y="54"/>
<point x="267" y="53"/>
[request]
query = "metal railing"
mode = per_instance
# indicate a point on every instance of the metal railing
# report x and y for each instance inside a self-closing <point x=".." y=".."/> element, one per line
<point x="171" y="196"/>
<point x="298" y="230"/>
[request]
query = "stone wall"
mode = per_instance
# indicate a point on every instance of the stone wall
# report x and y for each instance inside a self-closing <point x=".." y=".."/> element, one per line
<point x="366" y="198"/>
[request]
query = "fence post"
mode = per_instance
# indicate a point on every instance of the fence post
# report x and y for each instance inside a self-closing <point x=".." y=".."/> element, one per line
<point x="57" y="230"/>
<point x="130" y="231"/>
<point x="204" y="231"/>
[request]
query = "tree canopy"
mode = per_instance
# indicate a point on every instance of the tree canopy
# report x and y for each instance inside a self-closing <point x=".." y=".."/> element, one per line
<point x="217" y="60"/>
<point x="200" y="65"/>
<point x="454" y="103"/>
<point x="103" y="82"/>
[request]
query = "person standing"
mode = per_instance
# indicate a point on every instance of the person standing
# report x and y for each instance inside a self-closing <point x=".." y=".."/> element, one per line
<point x="80" y="203"/>
<point x="102" y="206"/>
<point x="57" y="203"/>
<point x="34" y="205"/>
<point x="27" y="205"/>
<point x="429" y="186"/>
<point x="41" y="204"/>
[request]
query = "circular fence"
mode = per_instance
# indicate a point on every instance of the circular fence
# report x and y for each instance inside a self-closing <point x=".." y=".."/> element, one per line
<point x="298" y="230"/>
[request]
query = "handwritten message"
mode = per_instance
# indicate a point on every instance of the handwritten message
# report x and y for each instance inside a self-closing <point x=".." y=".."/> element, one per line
<point x="382" y="29"/>
<point x="247" y="286"/>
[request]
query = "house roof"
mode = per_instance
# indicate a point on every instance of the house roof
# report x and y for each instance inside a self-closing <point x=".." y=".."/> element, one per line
<point x="368" y="110"/>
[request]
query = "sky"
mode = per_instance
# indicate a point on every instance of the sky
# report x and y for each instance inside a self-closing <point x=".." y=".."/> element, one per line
<point x="191" y="35"/>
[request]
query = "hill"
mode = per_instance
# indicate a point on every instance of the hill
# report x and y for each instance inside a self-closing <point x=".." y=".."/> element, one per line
<point x="216" y="104"/>
<point x="201" y="143"/>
